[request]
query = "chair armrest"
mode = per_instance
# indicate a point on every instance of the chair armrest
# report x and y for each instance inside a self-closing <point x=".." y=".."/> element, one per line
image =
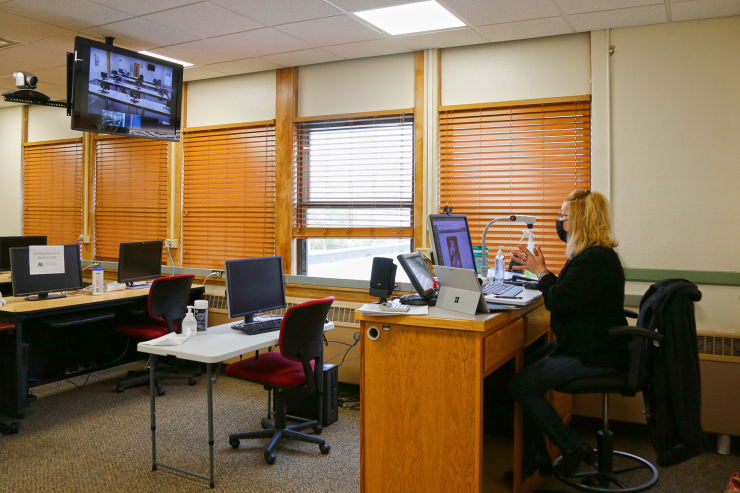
<point x="635" y="331"/>
<point x="630" y="313"/>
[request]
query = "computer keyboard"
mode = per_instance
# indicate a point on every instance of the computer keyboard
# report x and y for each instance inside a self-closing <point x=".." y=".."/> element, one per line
<point x="259" y="327"/>
<point x="501" y="289"/>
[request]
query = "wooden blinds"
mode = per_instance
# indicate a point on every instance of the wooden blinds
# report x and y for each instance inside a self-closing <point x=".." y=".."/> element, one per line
<point x="355" y="177"/>
<point x="228" y="195"/>
<point x="130" y="193"/>
<point x="515" y="159"/>
<point x="52" y="190"/>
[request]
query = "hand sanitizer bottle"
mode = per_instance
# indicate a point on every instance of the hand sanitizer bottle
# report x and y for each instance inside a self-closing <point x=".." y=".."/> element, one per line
<point x="189" y="322"/>
<point x="499" y="265"/>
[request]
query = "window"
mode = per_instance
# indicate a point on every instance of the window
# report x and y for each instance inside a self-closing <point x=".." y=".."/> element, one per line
<point x="130" y="193"/>
<point x="52" y="190"/>
<point x="515" y="159"/>
<point x="228" y="195"/>
<point x="354" y="195"/>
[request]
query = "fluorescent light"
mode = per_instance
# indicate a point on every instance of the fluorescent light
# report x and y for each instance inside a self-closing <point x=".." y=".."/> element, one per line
<point x="184" y="64"/>
<point x="411" y="18"/>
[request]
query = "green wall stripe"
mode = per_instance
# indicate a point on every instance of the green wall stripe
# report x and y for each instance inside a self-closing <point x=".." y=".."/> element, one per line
<point x="697" y="276"/>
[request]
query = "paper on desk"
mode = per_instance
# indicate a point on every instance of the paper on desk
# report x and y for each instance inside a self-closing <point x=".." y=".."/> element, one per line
<point x="171" y="339"/>
<point x="374" y="309"/>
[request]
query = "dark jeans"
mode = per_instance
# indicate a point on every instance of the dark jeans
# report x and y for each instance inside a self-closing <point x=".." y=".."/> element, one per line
<point x="541" y="373"/>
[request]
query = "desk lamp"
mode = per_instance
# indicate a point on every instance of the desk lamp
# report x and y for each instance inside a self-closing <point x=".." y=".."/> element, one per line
<point x="513" y="218"/>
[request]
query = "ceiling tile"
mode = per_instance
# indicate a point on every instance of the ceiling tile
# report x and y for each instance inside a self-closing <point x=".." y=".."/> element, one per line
<point x="25" y="30"/>
<point x="359" y="5"/>
<point x="304" y="57"/>
<point x="272" y="12"/>
<point x="442" y="39"/>
<point x="60" y="44"/>
<point x="53" y="91"/>
<point x="56" y="76"/>
<point x="245" y="66"/>
<point x="376" y="47"/>
<point x="203" y="20"/>
<point x="143" y="7"/>
<point x="638" y="16"/>
<point x="483" y="12"/>
<point x="7" y="67"/>
<point x="335" y="30"/>
<point x="581" y="6"/>
<point x="237" y="46"/>
<point x="140" y="34"/>
<point x="4" y="104"/>
<point x="6" y="83"/>
<point x="35" y="54"/>
<point x="199" y="73"/>
<point x="536" y="28"/>
<point x="704" y="9"/>
<point x="69" y="14"/>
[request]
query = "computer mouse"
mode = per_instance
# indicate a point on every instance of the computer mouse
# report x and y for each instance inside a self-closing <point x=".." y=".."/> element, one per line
<point x="532" y="285"/>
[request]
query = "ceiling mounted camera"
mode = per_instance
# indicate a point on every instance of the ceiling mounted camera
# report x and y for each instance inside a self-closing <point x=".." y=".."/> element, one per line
<point x="25" y="80"/>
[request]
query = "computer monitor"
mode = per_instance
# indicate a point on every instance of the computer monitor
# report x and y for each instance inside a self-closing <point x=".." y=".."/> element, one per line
<point x="104" y="86"/>
<point x="253" y="286"/>
<point x="24" y="283"/>
<point x="450" y="239"/>
<point x="8" y="242"/>
<point x="139" y="261"/>
<point x="103" y="75"/>
<point x="419" y="274"/>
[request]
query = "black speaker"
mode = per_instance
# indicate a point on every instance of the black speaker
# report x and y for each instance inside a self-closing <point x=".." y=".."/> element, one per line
<point x="382" y="278"/>
<point x="306" y="406"/>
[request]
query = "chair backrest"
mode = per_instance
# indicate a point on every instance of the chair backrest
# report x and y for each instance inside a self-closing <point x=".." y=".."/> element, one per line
<point x="168" y="299"/>
<point x="301" y="337"/>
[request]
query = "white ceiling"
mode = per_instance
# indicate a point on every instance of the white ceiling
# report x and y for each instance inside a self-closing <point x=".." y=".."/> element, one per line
<point x="229" y="37"/>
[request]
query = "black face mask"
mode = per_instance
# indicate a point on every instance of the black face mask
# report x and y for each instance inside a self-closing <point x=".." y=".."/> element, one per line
<point x="562" y="234"/>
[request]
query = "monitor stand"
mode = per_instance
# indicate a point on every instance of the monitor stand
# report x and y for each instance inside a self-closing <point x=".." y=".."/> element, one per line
<point x="131" y="285"/>
<point x="45" y="296"/>
<point x="416" y="300"/>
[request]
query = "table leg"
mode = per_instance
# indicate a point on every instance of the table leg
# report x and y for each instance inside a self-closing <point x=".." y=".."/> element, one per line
<point x="152" y="371"/>
<point x="209" y="372"/>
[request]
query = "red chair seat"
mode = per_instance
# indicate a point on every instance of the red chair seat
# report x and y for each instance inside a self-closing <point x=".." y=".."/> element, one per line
<point x="270" y="369"/>
<point x="145" y="332"/>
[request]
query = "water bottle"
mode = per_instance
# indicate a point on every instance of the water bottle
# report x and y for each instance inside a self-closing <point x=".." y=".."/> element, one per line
<point x="189" y="322"/>
<point x="499" y="266"/>
<point x="201" y="315"/>
<point x="97" y="281"/>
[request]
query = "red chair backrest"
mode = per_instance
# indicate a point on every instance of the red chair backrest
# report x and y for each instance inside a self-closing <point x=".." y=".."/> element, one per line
<point x="168" y="299"/>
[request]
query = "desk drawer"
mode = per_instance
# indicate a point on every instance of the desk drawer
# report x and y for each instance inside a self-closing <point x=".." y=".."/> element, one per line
<point x="500" y="346"/>
<point x="538" y="323"/>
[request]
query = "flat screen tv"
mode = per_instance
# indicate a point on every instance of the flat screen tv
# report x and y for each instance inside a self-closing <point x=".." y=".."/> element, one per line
<point x="114" y="92"/>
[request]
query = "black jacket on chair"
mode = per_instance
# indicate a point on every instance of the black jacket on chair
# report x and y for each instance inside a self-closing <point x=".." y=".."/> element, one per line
<point x="673" y="400"/>
<point x="584" y="301"/>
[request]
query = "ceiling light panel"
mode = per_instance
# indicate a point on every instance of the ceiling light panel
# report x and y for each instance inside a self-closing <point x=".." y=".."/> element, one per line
<point x="411" y="18"/>
<point x="162" y="57"/>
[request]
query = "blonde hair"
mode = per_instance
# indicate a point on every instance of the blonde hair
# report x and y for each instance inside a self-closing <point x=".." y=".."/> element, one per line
<point x="590" y="222"/>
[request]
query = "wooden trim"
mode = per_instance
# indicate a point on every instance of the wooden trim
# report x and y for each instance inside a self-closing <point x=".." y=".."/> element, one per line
<point x="45" y="142"/>
<point x="419" y="127"/>
<point x="352" y="232"/>
<point x="24" y="141"/>
<point x="360" y="114"/>
<point x="718" y="357"/>
<point x="566" y="99"/>
<point x="711" y="278"/>
<point x="88" y="194"/>
<point x="184" y="108"/>
<point x="285" y="112"/>
<point x="174" y="185"/>
<point x="229" y="125"/>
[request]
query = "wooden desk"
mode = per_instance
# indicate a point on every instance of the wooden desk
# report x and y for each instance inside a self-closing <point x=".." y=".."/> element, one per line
<point x="6" y="286"/>
<point x="142" y="104"/>
<point x="130" y="87"/>
<point x="422" y="400"/>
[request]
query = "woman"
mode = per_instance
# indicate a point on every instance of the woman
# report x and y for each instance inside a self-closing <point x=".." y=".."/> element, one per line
<point x="584" y="301"/>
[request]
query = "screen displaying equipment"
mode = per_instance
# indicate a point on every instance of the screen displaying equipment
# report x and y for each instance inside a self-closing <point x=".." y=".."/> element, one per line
<point x="450" y="238"/>
<point x="253" y="286"/>
<point x="42" y="284"/>
<point x="8" y="242"/>
<point x="148" y="110"/>
<point x="419" y="274"/>
<point x="139" y="261"/>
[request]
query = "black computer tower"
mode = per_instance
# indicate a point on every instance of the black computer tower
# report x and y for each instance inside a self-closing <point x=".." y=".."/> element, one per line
<point x="306" y="406"/>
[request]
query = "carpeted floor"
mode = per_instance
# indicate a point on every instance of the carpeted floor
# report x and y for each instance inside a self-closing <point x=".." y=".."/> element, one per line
<point x="93" y="439"/>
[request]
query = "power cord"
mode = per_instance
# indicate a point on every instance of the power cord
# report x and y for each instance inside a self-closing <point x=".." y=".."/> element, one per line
<point x="206" y="278"/>
<point x="357" y="339"/>
<point x="171" y="261"/>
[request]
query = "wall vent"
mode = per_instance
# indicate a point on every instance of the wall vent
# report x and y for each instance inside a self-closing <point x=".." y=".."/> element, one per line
<point x="714" y="344"/>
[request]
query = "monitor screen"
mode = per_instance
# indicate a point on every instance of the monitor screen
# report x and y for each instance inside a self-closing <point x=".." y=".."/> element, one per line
<point x="8" y="242"/>
<point x="451" y="240"/>
<point x="139" y="261"/>
<point x="419" y="274"/>
<point x="254" y="285"/>
<point x="24" y="283"/>
<point x="114" y="92"/>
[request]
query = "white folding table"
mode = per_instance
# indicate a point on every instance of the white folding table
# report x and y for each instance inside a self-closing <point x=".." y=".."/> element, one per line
<point x="218" y="344"/>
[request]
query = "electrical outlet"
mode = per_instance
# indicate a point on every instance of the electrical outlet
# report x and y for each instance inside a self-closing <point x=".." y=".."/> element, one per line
<point x="95" y="264"/>
<point x="217" y="273"/>
<point x="396" y="287"/>
<point x="172" y="243"/>
<point x="84" y="238"/>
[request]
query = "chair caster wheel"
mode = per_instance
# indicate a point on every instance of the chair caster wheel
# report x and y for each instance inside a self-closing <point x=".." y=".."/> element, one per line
<point x="192" y="381"/>
<point x="234" y="443"/>
<point x="120" y="389"/>
<point x="318" y="429"/>
<point x="198" y="372"/>
<point x="270" y="458"/>
<point x="590" y="482"/>
<point x="160" y="391"/>
<point x="324" y="449"/>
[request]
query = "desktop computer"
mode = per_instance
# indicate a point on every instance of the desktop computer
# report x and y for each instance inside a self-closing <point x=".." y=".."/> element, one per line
<point x="306" y="406"/>
<point x="8" y="242"/>
<point x="139" y="261"/>
<point x="254" y="286"/>
<point x="450" y="240"/>
<point x="42" y="284"/>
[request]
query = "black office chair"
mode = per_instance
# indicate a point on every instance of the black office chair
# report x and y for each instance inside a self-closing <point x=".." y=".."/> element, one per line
<point x="636" y="379"/>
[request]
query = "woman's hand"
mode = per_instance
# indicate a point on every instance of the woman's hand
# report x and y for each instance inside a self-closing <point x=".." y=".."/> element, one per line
<point x="533" y="262"/>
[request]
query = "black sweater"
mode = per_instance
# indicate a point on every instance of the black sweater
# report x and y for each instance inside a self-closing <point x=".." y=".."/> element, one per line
<point x="584" y="301"/>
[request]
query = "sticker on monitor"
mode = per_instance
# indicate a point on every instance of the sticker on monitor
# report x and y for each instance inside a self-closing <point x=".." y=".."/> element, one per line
<point x="113" y="118"/>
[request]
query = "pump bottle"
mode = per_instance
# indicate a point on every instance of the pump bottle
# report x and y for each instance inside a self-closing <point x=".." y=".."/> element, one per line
<point x="530" y="246"/>
<point x="499" y="265"/>
<point x="189" y="322"/>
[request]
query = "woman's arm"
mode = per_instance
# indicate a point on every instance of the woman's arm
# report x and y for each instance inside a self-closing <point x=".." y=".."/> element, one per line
<point x="577" y="287"/>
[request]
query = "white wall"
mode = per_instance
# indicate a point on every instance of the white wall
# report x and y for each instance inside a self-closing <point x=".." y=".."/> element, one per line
<point x="556" y="66"/>
<point x="49" y="123"/>
<point x="366" y="84"/>
<point x="235" y="99"/>
<point x="11" y="120"/>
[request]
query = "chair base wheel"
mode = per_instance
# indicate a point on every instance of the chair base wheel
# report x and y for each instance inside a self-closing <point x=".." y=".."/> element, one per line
<point x="593" y="481"/>
<point x="120" y="389"/>
<point x="192" y="381"/>
<point x="325" y="449"/>
<point x="234" y="443"/>
<point x="318" y="429"/>
<point x="270" y="458"/>
<point x="161" y="391"/>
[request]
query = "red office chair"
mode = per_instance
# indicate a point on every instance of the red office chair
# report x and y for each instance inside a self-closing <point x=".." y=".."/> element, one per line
<point x="168" y="301"/>
<point x="293" y="368"/>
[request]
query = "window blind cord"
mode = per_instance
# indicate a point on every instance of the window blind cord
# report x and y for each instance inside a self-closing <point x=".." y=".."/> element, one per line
<point x="171" y="261"/>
